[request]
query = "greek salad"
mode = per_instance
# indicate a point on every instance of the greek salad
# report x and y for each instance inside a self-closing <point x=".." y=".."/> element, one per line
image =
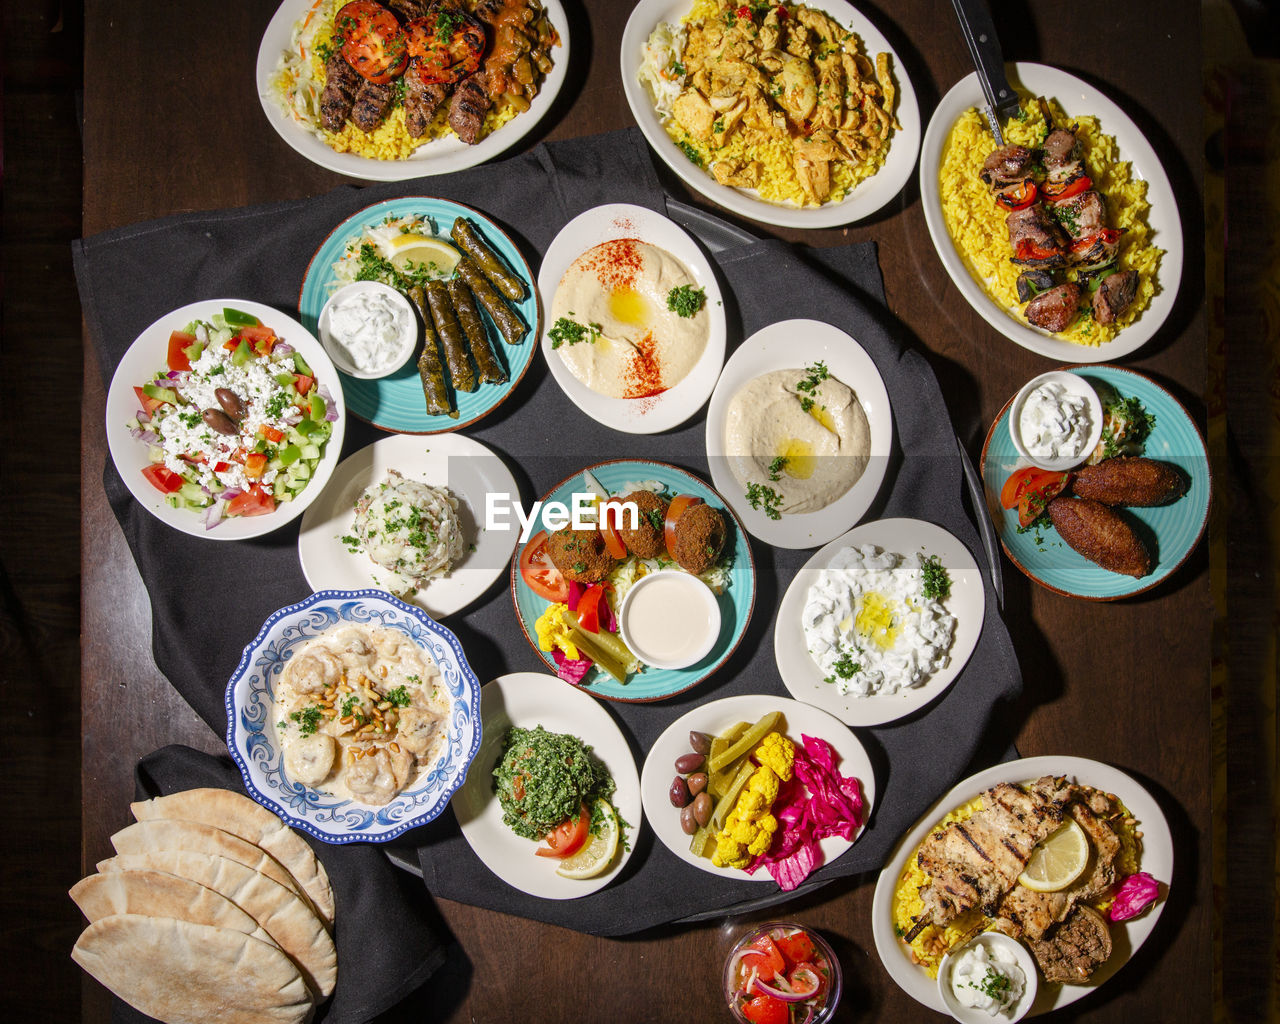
<point x="236" y="422"/>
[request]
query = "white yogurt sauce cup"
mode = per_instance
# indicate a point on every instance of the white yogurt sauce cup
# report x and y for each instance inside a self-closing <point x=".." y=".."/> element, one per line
<point x="669" y="619"/>
<point x="1065" y="411"/>
<point x="368" y="329"/>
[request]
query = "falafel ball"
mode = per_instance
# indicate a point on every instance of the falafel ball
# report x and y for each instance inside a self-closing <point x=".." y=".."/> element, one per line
<point x="700" y="537"/>
<point x="647" y="539"/>
<point x="580" y="554"/>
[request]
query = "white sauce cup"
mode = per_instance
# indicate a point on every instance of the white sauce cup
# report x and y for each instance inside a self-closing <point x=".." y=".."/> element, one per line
<point x="1075" y="385"/>
<point x="397" y="353"/>
<point x="669" y="619"/>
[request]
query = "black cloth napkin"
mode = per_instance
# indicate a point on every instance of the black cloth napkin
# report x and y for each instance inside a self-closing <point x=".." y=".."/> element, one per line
<point x="129" y="277"/>
<point x="386" y="932"/>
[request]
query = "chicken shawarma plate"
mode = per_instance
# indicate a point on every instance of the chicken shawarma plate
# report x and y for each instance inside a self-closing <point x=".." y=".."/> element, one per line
<point x="1050" y="862"/>
<point x="779" y="98"/>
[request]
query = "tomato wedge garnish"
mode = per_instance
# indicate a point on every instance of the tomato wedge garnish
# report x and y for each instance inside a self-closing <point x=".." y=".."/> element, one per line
<point x="179" y="342"/>
<point x="1038" y="488"/>
<point x="679" y="504"/>
<point x="588" y="609"/>
<point x="372" y="41"/>
<point x="540" y="573"/>
<point x="765" y="958"/>
<point x="149" y="404"/>
<point x="568" y="836"/>
<point x="613" y="542"/>
<point x="1021" y="481"/>
<point x="256" y="501"/>
<point x="162" y="478"/>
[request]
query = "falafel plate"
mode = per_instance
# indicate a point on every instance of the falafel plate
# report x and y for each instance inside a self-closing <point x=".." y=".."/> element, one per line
<point x="568" y="584"/>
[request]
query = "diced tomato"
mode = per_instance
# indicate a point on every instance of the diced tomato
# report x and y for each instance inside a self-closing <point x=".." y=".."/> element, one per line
<point x="149" y="404"/>
<point x="270" y="433"/>
<point x="255" y="464"/>
<point x="302" y="382"/>
<point x="540" y="573"/>
<point x="162" y="478"/>
<point x="609" y="530"/>
<point x="675" y="510"/>
<point x="767" y="961"/>
<point x="797" y="948"/>
<point x="179" y="342"/>
<point x="766" y="1010"/>
<point x="372" y="41"/>
<point x="568" y="837"/>
<point x="805" y="979"/>
<point x="261" y="339"/>
<point x="589" y="608"/>
<point x="256" y="501"/>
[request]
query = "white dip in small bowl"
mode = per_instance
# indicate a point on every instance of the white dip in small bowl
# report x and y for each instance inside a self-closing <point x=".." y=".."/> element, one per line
<point x="368" y="329"/>
<point x="991" y="978"/>
<point x="1055" y="421"/>
<point x="669" y="619"/>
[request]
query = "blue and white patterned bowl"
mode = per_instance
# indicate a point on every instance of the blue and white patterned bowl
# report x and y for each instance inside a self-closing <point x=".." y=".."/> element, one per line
<point x="254" y="745"/>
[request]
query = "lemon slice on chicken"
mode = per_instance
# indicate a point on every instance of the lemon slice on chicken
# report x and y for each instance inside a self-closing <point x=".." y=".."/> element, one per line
<point x="599" y="852"/>
<point x="1058" y="860"/>
<point x="421" y="250"/>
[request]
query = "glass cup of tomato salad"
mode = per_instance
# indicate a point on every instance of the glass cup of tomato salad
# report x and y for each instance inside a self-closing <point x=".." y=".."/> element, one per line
<point x="782" y="973"/>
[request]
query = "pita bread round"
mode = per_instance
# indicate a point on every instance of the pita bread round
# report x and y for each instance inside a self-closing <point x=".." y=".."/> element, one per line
<point x="167" y="834"/>
<point x="249" y="820"/>
<point x="158" y="894"/>
<point x="290" y="921"/>
<point x="184" y="973"/>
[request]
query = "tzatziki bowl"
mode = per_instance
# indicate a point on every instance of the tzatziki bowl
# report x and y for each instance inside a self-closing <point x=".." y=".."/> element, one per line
<point x="1055" y="421"/>
<point x="369" y="329"/>
<point x="353" y="716"/>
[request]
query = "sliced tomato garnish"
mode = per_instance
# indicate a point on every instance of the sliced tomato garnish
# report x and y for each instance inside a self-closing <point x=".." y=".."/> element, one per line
<point x="588" y="610"/>
<point x="613" y="542"/>
<point x="1037" y="491"/>
<point x="372" y="41"/>
<point x="540" y="573"/>
<point x="162" y="478"/>
<point x="256" y="501"/>
<point x="679" y="504"/>
<point x="149" y="404"/>
<point x="179" y="342"/>
<point x="568" y="837"/>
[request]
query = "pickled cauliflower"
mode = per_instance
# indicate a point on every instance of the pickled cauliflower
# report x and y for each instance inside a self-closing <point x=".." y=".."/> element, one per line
<point x="553" y="632"/>
<point x="778" y="752"/>
<point x="749" y="830"/>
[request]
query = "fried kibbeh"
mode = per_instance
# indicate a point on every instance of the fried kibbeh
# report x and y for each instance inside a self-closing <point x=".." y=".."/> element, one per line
<point x="580" y="555"/>
<point x="1134" y="482"/>
<point x="1100" y="534"/>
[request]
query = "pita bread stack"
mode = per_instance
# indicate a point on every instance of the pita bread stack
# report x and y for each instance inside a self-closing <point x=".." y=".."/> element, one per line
<point x="212" y="912"/>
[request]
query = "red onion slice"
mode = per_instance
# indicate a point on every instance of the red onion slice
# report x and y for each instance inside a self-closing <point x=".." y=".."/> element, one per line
<point x="777" y="993"/>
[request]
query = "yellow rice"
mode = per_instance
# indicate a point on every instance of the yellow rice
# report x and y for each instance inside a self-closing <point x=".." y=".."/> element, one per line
<point x="977" y="225"/>
<point x="933" y="942"/>
<point x="778" y="181"/>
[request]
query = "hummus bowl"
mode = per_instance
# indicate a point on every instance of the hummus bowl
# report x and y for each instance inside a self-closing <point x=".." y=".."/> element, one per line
<point x="611" y="269"/>
<point x="835" y="489"/>
<point x="255" y="742"/>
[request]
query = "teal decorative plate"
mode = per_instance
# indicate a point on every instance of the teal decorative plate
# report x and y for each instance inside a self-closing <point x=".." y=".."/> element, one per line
<point x="736" y="602"/>
<point x="396" y="402"/>
<point x="1171" y="531"/>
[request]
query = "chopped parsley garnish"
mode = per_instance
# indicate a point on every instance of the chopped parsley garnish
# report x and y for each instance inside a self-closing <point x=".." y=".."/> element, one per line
<point x="655" y="519"/>
<point x="937" y="581"/>
<point x="350" y="706"/>
<point x="994" y="984"/>
<point x="677" y="68"/>
<point x="352" y="544"/>
<point x="308" y="719"/>
<point x="776" y="467"/>
<point x="276" y="404"/>
<point x="570" y="332"/>
<point x="399" y="697"/>
<point x="686" y="300"/>
<point x="815" y="374"/>
<point x="688" y="150"/>
<point x="1126" y="425"/>
<point x="579" y="567"/>
<point x="765" y="499"/>
<point x="446" y="23"/>
<point x="845" y="668"/>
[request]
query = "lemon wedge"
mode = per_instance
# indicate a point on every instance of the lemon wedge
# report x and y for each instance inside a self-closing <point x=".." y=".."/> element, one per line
<point x="598" y="854"/>
<point x="1058" y="860"/>
<point x="420" y="250"/>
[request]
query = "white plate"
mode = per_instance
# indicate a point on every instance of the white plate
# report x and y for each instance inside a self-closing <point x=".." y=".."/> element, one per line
<point x="147" y="354"/>
<point x="865" y="199"/>
<point x="1077" y="98"/>
<point x="1157" y="859"/>
<point x="438" y="157"/>
<point x="659" y="768"/>
<point x="793" y="344"/>
<point x="967" y="603"/>
<point x="528" y="699"/>
<point x="466" y="467"/>
<point x="675" y="405"/>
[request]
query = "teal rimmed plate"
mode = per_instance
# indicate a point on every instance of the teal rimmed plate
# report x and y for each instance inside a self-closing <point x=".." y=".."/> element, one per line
<point x="736" y="602"/>
<point x="1172" y="531"/>
<point x="396" y="402"/>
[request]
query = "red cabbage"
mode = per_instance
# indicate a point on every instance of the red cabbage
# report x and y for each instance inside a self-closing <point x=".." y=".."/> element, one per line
<point x="1136" y="893"/>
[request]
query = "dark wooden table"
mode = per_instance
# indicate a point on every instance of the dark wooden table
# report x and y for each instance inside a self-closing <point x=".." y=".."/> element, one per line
<point x="172" y="123"/>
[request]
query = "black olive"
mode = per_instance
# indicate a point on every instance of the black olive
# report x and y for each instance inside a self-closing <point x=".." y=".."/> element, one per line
<point x="220" y="421"/>
<point x="230" y="403"/>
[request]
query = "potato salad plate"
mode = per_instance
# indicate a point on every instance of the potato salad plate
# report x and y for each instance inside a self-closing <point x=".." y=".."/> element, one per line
<point x="969" y="232"/>
<point x="292" y="72"/>
<point x="880" y="622"/>
<point x="834" y="164"/>
<point x="1155" y="857"/>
